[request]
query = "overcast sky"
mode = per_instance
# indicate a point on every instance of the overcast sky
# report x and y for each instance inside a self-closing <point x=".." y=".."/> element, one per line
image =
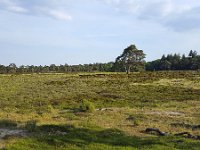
<point x="87" y="31"/>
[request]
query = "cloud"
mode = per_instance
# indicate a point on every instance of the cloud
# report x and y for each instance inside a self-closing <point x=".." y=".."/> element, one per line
<point x="53" y="13"/>
<point x="12" y="6"/>
<point x="157" y="8"/>
<point x="49" y="8"/>
<point x="59" y="15"/>
<point x="17" y="9"/>
<point x="179" y="15"/>
<point x="188" y="20"/>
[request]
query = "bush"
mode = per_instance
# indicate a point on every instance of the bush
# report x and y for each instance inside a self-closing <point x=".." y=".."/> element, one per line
<point x="87" y="106"/>
<point x="7" y="124"/>
<point x="134" y="119"/>
<point x="31" y="126"/>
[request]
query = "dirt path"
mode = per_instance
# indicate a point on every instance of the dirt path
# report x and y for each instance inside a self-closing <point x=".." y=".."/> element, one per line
<point x="4" y="133"/>
<point x="166" y="113"/>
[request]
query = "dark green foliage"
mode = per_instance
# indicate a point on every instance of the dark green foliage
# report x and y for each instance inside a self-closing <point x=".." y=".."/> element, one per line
<point x="130" y="58"/>
<point x="7" y="124"/>
<point x="169" y="62"/>
<point x="175" y="62"/>
<point x="96" y="67"/>
<point x="54" y="128"/>
<point x="31" y="125"/>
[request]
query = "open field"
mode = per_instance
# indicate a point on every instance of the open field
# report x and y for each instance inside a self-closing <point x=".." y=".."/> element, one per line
<point x="43" y="110"/>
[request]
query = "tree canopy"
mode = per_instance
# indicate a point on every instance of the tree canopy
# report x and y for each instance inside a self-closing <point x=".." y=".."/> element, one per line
<point x="131" y="57"/>
<point x="176" y="62"/>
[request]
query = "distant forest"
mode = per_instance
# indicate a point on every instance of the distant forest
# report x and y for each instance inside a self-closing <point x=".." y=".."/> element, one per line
<point x="168" y="62"/>
<point x="176" y="62"/>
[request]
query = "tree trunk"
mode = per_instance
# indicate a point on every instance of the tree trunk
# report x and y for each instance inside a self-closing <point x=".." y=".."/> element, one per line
<point x="128" y="69"/>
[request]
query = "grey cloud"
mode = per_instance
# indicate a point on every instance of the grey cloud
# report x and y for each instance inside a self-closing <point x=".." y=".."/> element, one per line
<point x="179" y="15"/>
<point x="13" y="6"/>
<point x="188" y="20"/>
<point x="36" y="7"/>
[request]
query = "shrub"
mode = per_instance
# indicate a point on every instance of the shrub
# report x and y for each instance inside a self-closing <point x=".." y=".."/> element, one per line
<point x="7" y="124"/>
<point x="134" y="119"/>
<point x="31" y="125"/>
<point x="87" y="106"/>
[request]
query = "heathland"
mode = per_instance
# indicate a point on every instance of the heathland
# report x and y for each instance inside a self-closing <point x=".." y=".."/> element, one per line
<point x="100" y="110"/>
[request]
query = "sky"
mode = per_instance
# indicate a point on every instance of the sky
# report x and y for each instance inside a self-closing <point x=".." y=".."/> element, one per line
<point x="44" y="32"/>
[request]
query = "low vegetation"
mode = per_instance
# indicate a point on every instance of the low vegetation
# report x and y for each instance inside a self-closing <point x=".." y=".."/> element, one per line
<point x="100" y="110"/>
<point x="87" y="106"/>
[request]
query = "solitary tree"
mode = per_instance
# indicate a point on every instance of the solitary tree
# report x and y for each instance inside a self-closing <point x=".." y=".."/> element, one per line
<point x="131" y="57"/>
<point x="12" y="68"/>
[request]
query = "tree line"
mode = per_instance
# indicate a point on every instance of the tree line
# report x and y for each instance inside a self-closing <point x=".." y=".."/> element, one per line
<point x="131" y="59"/>
<point x="96" y="67"/>
<point x="175" y="62"/>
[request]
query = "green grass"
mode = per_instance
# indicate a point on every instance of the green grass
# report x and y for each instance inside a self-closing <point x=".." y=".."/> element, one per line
<point x="125" y="106"/>
<point x="38" y="92"/>
<point x="83" y="138"/>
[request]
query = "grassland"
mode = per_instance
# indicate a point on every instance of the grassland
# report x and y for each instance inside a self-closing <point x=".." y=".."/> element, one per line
<point x="47" y="108"/>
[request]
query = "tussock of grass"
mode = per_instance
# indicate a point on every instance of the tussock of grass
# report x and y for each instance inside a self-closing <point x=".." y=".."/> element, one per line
<point x="87" y="106"/>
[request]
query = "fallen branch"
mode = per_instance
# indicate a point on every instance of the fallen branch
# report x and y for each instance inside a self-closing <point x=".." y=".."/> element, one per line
<point x="156" y="131"/>
<point x="151" y="130"/>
